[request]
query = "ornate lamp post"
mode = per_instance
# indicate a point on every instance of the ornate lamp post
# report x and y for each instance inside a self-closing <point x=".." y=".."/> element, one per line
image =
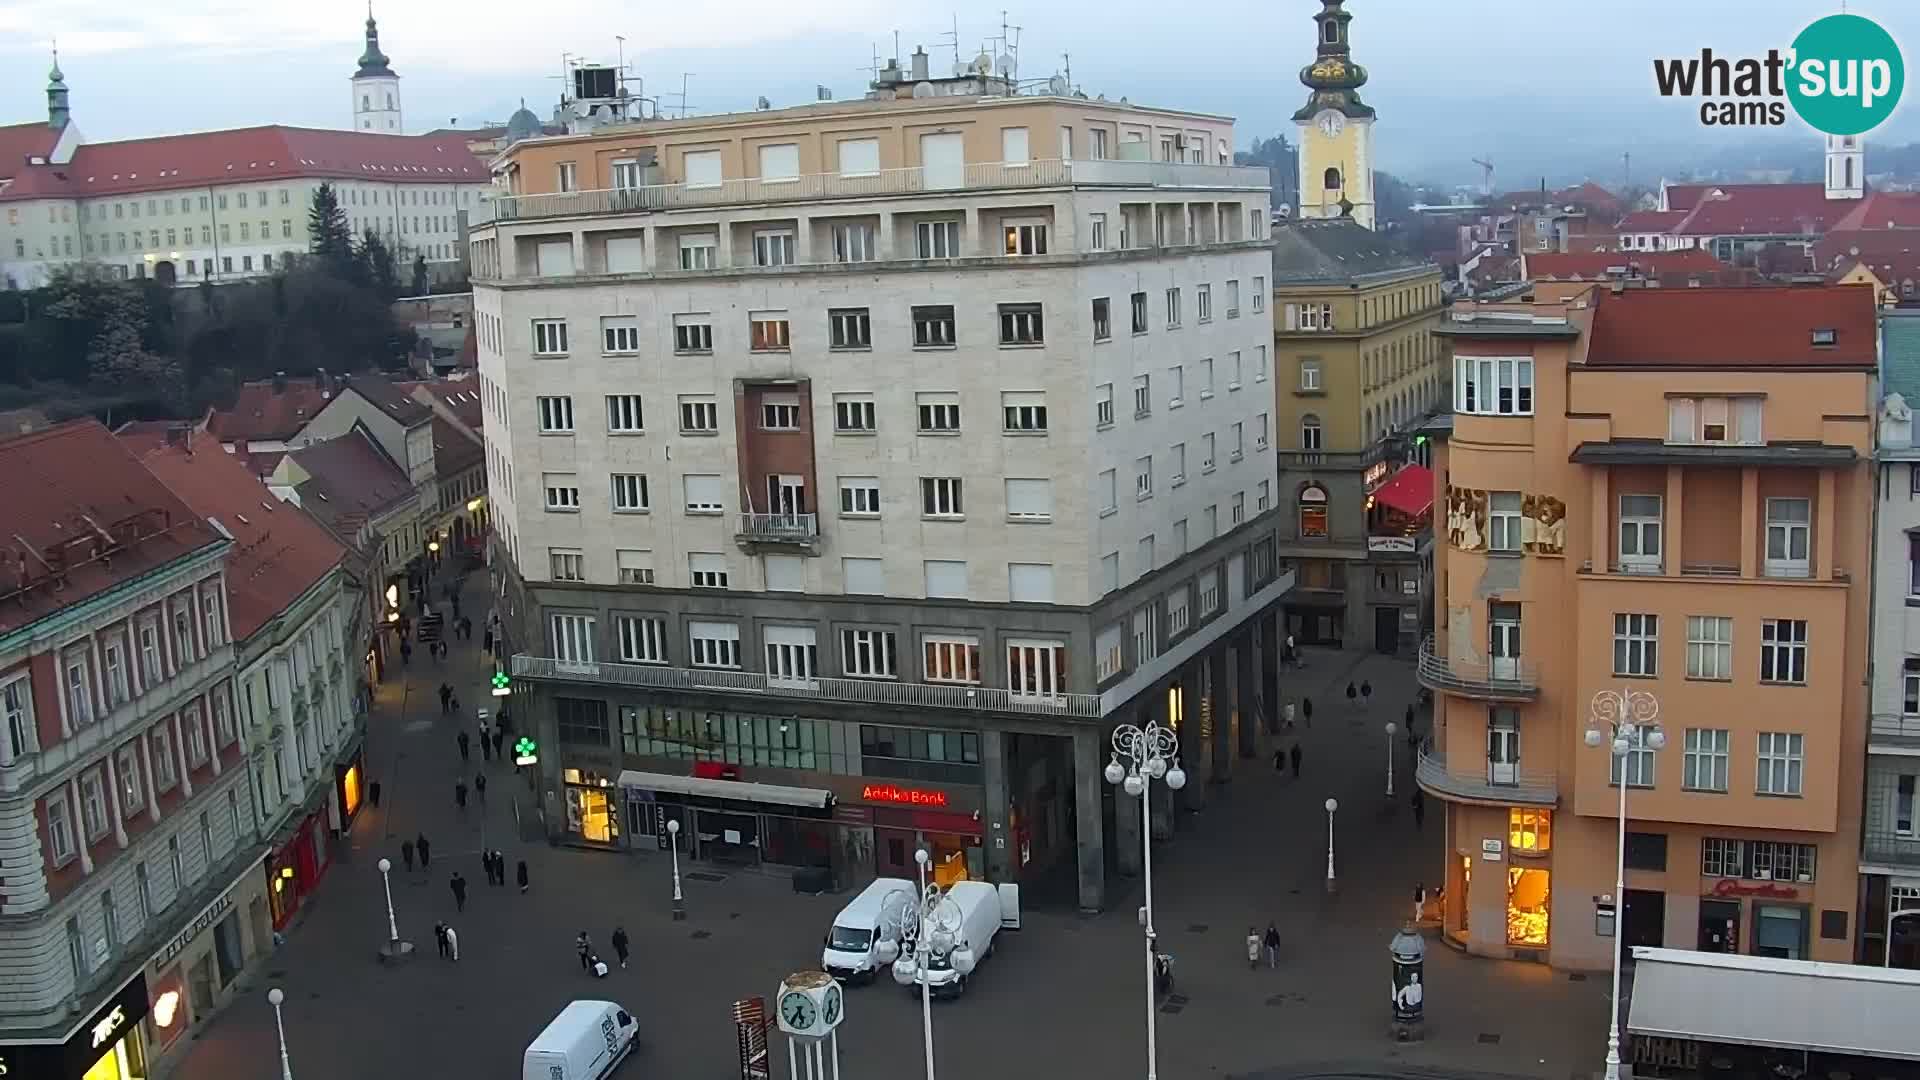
<point x="916" y="928"/>
<point x="1152" y="753"/>
<point x="1332" y="805"/>
<point x="274" y="997"/>
<point x="1391" y="728"/>
<point x="1625" y="720"/>
<point x="393" y="951"/>
<point x="673" y="840"/>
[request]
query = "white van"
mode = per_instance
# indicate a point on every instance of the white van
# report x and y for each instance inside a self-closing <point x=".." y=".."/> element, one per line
<point x="852" y="951"/>
<point x="985" y="910"/>
<point x="584" y="1042"/>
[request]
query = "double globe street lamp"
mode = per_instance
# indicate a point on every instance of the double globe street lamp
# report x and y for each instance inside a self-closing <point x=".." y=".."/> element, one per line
<point x="1627" y="721"/>
<point x="274" y="998"/>
<point x="916" y="928"/>
<point x="1152" y="753"/>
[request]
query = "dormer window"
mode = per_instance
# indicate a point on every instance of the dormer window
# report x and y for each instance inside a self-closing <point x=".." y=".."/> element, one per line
<point x="1823" y="337"/>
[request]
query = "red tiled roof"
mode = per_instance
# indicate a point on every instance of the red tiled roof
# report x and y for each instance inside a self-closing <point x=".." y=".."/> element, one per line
<point x="262" y="414"/>
<point x="241" y="155"/>
<point x="63" y="488"/>
<point x="461" y="397"/>
<point x="1883" y="210"/>
<point x="454" y="451"/>
<point x="1651" y="221"/>
<point x="1892" y="254"/>
<point x="391" y="398"/>
<point x="279" y="550"/>
<point x="1593" y="265"/>
<point x="349" y="480"/>
<point x="20" y="142"/>
<point x="1763" y="210"/>
<point x="1734" y="327"/>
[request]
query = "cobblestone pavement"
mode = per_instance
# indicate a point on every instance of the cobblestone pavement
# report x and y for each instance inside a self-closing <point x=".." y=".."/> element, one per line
<point x="1062" y="997"/>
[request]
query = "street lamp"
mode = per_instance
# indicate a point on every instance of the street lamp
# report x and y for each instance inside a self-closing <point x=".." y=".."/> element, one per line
<point x="1391" y="728"/>
<point x="914" y="930"/>
<point x="393" y="928"/>
<point x="673" y="841"/>
<point x="1625" y="720"/>
<point x="274" y="997"/>
<point x="1332" y="805"/>
<point x="1152" y="753"/>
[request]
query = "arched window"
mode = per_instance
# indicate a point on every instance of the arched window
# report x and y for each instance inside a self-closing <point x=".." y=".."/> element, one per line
<point x="1313" y="512"/>
<point x="366" y="102"/>
<point x="1332" y="178"/>
<point x="1366" y="422"/>
<point x="389" y="101"/>
<point x="1310" y="432"/>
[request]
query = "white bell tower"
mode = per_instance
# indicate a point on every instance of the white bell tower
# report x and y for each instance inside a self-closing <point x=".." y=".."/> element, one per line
<point x="376" y="89"/>
<point x="1846" y="167"/>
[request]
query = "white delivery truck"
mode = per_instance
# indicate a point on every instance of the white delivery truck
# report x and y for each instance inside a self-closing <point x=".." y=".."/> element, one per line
<point x="852" y="951"/>
<point x="584" y="1042"/>
<point x="974" y="912"/>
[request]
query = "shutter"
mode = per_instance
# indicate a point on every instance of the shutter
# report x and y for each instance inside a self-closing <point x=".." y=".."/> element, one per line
<point x="859" y="157"/>
<point x="946" y="578"/>
<point x="555" y="258"/>
<point x="702" y="168"/>
<point x="1029" y="498"/>
<point x="785" y="573"/>
<point x="1030" y="583"/>
<point x="1746" y="421"/>
<point x="624" y="255"/>
<point x="943" y="161"/>
<point x="866" y="576"/>
<point x="705" y="491"/>
<point x="789" y="635"/>
<point x="1680" y="426"/>
<point x="720" y="631"/>
<point x="780" y="161"/>
<point x="1013" y="146"/>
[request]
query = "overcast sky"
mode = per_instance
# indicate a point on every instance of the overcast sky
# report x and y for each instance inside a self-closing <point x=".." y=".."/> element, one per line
<point x="1535" y="85"/>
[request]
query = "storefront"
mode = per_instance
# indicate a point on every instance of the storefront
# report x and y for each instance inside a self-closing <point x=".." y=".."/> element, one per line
<point x="295" y="865"/>
<point x="1498" y="896"/>
<point x="107" y="1045"/>
<point x="349" y="781"/>
<point x="192" y="976"/>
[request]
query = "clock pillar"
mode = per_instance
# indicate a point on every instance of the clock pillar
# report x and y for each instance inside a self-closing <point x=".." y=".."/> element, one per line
<point x="1335" y="126"/>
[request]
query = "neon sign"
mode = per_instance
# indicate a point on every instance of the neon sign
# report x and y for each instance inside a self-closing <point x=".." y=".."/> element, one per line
<point x="904" y="796"/>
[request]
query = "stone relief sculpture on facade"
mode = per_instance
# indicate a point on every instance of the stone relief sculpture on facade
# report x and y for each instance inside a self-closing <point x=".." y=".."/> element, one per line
<point x="1543" y="525"/>
<point x="1466" y="518"/>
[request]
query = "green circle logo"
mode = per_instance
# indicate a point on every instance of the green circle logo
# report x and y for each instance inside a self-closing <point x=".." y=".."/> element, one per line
<point x="1846" y="75"/>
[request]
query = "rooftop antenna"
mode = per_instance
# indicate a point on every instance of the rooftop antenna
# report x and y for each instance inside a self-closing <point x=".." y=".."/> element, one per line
<point x="684" y="76"/>
<point x="1067" y="59"/>
<point x="954" y="34"/>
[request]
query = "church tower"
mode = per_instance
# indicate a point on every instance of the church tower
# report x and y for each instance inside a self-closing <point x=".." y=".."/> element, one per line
<point x="1846" y="167"/>
<point x="1336" y="128"/>
<point x="59" y="110"/>
<point x="376" y="89"/>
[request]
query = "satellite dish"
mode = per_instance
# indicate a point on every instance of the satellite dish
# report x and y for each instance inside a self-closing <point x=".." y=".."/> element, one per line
<point x="923" y="89"/>
<point x="1004" y="65"/>
<point x="959" y="69"/>
<point x="982" y="64"/>
<point x="1057" y="86"/>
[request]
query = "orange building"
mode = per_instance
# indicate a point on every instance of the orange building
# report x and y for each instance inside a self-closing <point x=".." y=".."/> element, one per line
<point x="1662" y="491"/>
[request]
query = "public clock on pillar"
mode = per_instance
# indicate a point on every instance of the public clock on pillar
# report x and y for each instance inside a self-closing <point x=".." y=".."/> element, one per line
<point x="830" y="1005"/>
<point x="809" y="1004"/>
<point x="1331" y="122"/>
<point x="798" y="1013"/>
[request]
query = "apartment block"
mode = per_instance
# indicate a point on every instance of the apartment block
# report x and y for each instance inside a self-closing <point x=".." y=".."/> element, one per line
<point x="1664" y="493"/>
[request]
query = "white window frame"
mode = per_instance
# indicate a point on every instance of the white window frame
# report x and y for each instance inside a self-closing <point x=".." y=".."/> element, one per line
<point x="713" y="644"/>
<point x="699" y="416"/>
<point x="937" y="413"/>
<point x="1638" y="762"/>
<point x="860" y="496"/>
<point x="769" y="331"/>
<point x="702" y="506"/>
<point x="849" y="328"/>
<point x="642" y="639"/>
<point x="572" y="638"/>
<point x="1636" y="644"/>
<point x="62" y="842"/>
<point x="1710" y="647"/>
<point x="708" y="570"/>
<point x="1503" y="521"/>
<point x="855" y="242"/>
<point x="773" y="247"/>
<point x="692" y="334"/>
<point x="630" y="493"/>
<point x="937" y="239"/>
<point x="951" y="658"/>
<point x="562" y="492"/>
<point x="626" y="415"/>
<point x="20" y="736"/>
<point x="1036" y="669"/>
<point x="1786" y="533"/>
<point x="1783" y="652"/>
<point x="699" y="251"/>
<point x="555" y="414"/>
<point x="780" y="414"/>
<point x="1779" y="763"/>
<point x="854" y="414"/>
<point x="566" y="564"/>
<point x="633" y="566"/>
<point x="1023" y="412"/>
<point x="1103" y="405"/>
<point x="1641" y="529"/>
<point x="941" y="498"/>
<point x="1024" y="237"/>
<point x="1143" y="477"/>
<point x="1203" y="303"/>
<point x="792" y="654"/>
<point x="619" y="335"/>
<point x="1707" y="761"/>
<point x="549" y="337"/>
<point x="869" y="654"/>
<point x="1029" y="487"/>
<point x="1493" y="385"/>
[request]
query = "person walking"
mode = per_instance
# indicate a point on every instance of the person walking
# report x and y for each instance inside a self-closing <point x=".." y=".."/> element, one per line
<point x="453" y="944"/>
<point x="459" y="886"/>
<point x="1253" y="948"/>
<point x="1306" y="710"/>
<point x="1419" y="901"/>
<point x="466" y="747"/>
<point x="1419" y="810"/>
<point x="1279" y="761"/>
<point x="499" y="737"/>
<point x="406" y="853"/>
<point x="584" y="946"/>
<point x="456" y="703"/>
<point x="1408" y="718"/>
<point x="486" y="747"/>
<point x="1293" y="757"/>
<point x="522" y="875"/>
<point x="1272" y="942"/>
<point x="460" y="794"/>
<point x="446" y="695"/>
<point x="480" y="787"/>
<point x="1293" y="652"/>
<point x="406" y="654"/>
<point x="440" y="938"/>
<point x="1353" y="696"/>
<point x="426" y="853"/>
<point x="500" y="867"/>
<point x="373" y="793"/>
<point x="1286" y="723"/>
<point x="1366" y="694"/>
<point x="620" y="944"/>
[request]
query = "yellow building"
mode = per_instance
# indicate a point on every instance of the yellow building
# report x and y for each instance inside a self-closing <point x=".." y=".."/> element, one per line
<point x="1358" y="367"/>
<point x="1336" y="128"/>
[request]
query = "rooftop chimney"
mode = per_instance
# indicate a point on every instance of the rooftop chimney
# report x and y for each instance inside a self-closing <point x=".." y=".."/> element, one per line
<point x="279" y="382"/>
<point x="919" y="64"/>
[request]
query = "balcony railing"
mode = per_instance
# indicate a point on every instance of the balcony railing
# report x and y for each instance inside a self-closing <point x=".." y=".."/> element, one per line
<point x="803" y="529"/>
<point x="1331" y="459"/>
<point x="1492" y="680"/>
<point x="1486" y="782"/>
<point x="1895" y="727"/>
<point x="977" y="176"/>
<point x="854" y="691"/>
<point x="1886" y="849"/>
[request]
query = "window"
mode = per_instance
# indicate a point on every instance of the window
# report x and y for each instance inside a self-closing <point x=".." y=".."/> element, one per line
<point x="940" y="496"/>
<point x="860" y="496"/>
<point x="1020" y="324"/>
<point x="769" y="331"/>
<point x="853" y="414"/>
<point x="1259" y="363"/>
<point x="864" y="576"/>
<point x="1233" y="303"/>
<point x="1636" y="643"/>
<point x="1206" y="378"/>
<point x="849" y="328"/>
<point x="582" y="721"/>
<point x="626" y="174"/>
<point x="1709" y="647"/>
<point x="1026" y="237"/>
<point x="1177" y="475"/>
<point x="1103" y="405"/>
<point x="1310" y="432"/>
<point x="16" y="707"/>
<point x="1637" y="761"/>
<point x="855" y="242"/>
<point x="945" y="578"/>
<point x="952" y="659"/>
<point x="780" y="414"/>
<point x="937" y="239"/>
<point x="704" y="493"/>
<point x="93" y="804"/>
<point x="630" y="493"/>
<point x="1108" y="492"/>
<point x="692" y="334"/>
<point x="708" y="570"/>
<point x="642" y="640"/>
<point x="1139" y="313"/>
<point x="1029" y="500"/>
<point x="792" y="655"/>
<point x="699" y="416"/>
<point x="633" y="566"/>
<point x="1266" y="497"/>
<point x="563" y="491"/>
<point x="1030" y="583"/>
<point x="773" y="247"/>
<point x="556" y="415"/>
<point x="1143" y="477"/>
<point x="868" y="654"/>
<point x="1203" y="303"/>
<point x="1714" y="420"/>
<point x="1239" y="441"/>
<point x="1783" y="650"/>
<point x="1640" y="533"/>
<point x="1781" y="761"/>
<point x="1097" y="232"/>
<point x="623" y="414"/>
<point x="1903" y="804"/>
<point x="126" y="765"/>
<point x="1177" y="385"/>
<point x="1037" y="668"/>
<point x="1259" y="294"/>
<point x="933" y="326"/>
<point x="80" y="690"/>
<point x="700" y="251"/>
<point x="1503" y="521"/>
<point x="60" y="841"/>
<point x="860" y="157"/>
<point x="1109" y="653"/>
<point x="938" y="412"/>
<point x="1645" y="851"/>
<point x="1142" y="396"/>
<point x="1173" y="309"/>
<point x="196" y="735"/>
<point x="1722" y="858"/>
<point x="212" y="619"/>
<point x="1206" y="452"/>
<point x="1707" y="754"/>
<point x="573" y="639"/>
<point x="549" y="337"/>
<point x="620" y="334"/>
<point x="1102" y="319"/>
<point x="1493" y="386"/>
<point x="1023" y="412"/>
<point x="1237" y="513"/>
<point x="566" y="179"/>
<point x="1788" y="533"/>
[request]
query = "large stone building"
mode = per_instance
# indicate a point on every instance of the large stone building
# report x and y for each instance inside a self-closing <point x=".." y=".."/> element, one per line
<point x="855" y="467"/>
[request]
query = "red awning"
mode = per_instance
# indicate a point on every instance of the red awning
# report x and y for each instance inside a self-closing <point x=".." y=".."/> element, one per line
<point x="1410" y="491"/>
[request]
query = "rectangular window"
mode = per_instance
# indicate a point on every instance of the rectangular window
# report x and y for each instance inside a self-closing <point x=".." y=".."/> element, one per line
<point x="705" y="493"/>
<point x="549" y="337"/>
<point x="708" y="570"/>
<point x="1709" y="647"/>
<point x="1176" y="386"/>
<point x="938" y="412"/>
<point x="563" y="491"/>
<point x="1789" y="533"/>
<point x="1640" y="534"/>
<point x="780" y="414"/>
<point x="619" y="334"/>
<point x="1493" y="386"/>
<point x="624" y="416"/>
<point x="582" y="721"/>
<point x="855" y="242"/>
<point x="1206" y="452"/>
<point x="1177" y="474"/>
<point x="860" y="496"/>
<point x="556" y="415"/>
<point x="1203" y="303"/>
<point x="1707" y="755"/>
<point x="1903" y="797"/>
<point x="1103" y="405"/>
<point x="853" y="414"/>
<point x="16" y="708"/>
<point x="1139" y="312"/>
<point x="93" y="804"/>
<point x="1503" y="521"/>
<point x="1102" y="318"/>
<point x="1037" y="669"/>
<point x="1029" y="500"/>
<point x="849" y="328"/>
<point x="700" y="251"/>
<point x="860" y="157"/>
<point x="626" y="174"/>
<point x="633" y="566"/>
<point x="945" y="578"/>
<point x="1310" y="376"/>
<point x="952" y="658"/>
<point x="1780" y="763"/>
<point x="868" y="654"/>
<point x="1636" y="644"/>
<point x="1173" y="309"/>
<point x="1233" y="303"/>
<point x="1722" y="858"/>
<point x="692" y="333"/>
<point x="80" y="688"/>
<point x="937" y="239"/>
<point x="60" y="839"/>
<point x="1020" y="324"/>
<point x="1259" y="293"/>
<point x="1143" y="477"/>
<point x="792" y="655"/>
<point x="1023" y="412"/>
<point x="933" y="326"/>
<point x="773" y="247"/>
<point x="573" y="639"/>
<point x="940" y="497"/>
<point x="1108" y="491"/>
<point x="1637" y="761"/>
<point x="769" y="331"/>
<point x="1783" y="650"/>
<point x="1097" y="232"/>
<point x="643" y="640"/>
<point x="1142" y="396"/>
<point x="630" y="493"/>
<point x="1026" y="237"/>
<point x="699" y="416"/>
<point x="126" y="764"/>
<point x="166" y="771"/>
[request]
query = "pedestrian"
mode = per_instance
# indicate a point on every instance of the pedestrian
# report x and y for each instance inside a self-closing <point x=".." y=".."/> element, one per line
<point x="1287" y="721"/>
<point x="460" y="793"/>
<point x="373" y="794"/>
<point x="486" y="747"/>
<point x="1419" y="900"/>
<point x="406" y="654"/>
<point x="446" y="695"/>
<point x="466" y="751"/>
<point x="1419" y="809"/>
<point x="1366" y="693"/>
<point x="1293" y="757"/>
<point x="1293" y="652"/>
<point x="522" y="874"/>
<point x="584" y="946"/>
<point x="440" y="938"/>
<point x="1280" y="761"/>
<point x="459" y="886"/>
<point x="406" y="853"/>
<point x="480" y="787"/>
<point x="499" y="737"/>
<point x="453" y="944"/>
<point x="1272" y="941"/>
<point x="456" y="703"/>
<point x="486" y="641"/>
<point x="500" y="867"/>
<point x="1409" y="719"/>
<point x="1353" y="695"/>
<point x="620" y="944"/>
<point x="1253" y="948"/>
<point x="1306" y="710"/>
<point x="426" y="854"/>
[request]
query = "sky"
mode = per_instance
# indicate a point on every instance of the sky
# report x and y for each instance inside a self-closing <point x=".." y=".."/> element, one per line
<point x="1539" y="87"/>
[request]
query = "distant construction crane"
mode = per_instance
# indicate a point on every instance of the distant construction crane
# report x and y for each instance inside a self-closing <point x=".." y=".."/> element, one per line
<point x="1486" y="176"/>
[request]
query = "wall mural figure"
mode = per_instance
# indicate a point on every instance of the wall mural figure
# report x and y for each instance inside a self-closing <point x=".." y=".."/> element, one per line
<point x="1466" y="518"/>
<point x="1550" y="533"/>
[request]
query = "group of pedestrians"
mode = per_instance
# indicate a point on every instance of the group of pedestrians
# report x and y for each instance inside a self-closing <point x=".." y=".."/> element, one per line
<point x="590" y="960"/>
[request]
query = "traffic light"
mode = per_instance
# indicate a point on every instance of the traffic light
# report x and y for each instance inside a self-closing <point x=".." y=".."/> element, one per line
<point x="501" y="687"/>
<point x="526" y="751"/>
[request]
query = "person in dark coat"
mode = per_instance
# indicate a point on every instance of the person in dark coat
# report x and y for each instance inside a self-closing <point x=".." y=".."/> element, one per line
<point x="620" y="944"/>
<point x="373" y="794"/>
<point x="426" y="853"/>
<point x="486" y="747"/>
<point x="480" y="787"/>
<point x="499" y="738"/>
<point x="460" y="793"/>
<point x="1280" y="761"/>
<point x="500" y="866"/>
<point x="466" y="745"/>
<point x="584" y="946"/>
<point x="1353" y="695"/>
<point x="459" y="886"/>
<point x="1419" y="809"/>
<point x="1366" y="693"/>
<point x="1272" y="942"/>
<point x="522" y="873"/>
<point x="406" y="654"/>
<point x="1293" y="757"/>
<point x="1306" y="710"/>
<point x="406" y="853"/>
<point x="446" y="695"/>
<point x="440" y="938"/>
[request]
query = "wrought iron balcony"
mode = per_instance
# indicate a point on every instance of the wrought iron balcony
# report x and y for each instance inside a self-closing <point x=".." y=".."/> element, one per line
<point x="1886" y="849"/>
<point x="778" y="530"/>
<point x="756" y="684"/>
<point x="1895" y="730"/>
<point x="1497" y="679"/>
<point x="1484" y="782"/>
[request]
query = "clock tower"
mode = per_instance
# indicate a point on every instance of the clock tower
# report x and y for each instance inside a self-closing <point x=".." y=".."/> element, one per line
<point x="1336" y="128"/>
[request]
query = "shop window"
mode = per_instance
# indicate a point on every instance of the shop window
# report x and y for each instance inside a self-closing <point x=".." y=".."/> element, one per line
<point x="1313" y="512"/>
<point x="582" y="721"/>
<point x="1646" y="851"/>
<point x="1529" y="832"/>
<point x="590" y="814"/>
<point x="1528" y="892"/>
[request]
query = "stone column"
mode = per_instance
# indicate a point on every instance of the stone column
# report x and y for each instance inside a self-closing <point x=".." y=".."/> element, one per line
<point x="1245" y="659"/>
<point x="1195" y="753"/>
<point x="1272" y="633"/>
<point x="1220" y="691"/>
<point x="1089" y="826"/>
<point x="996" y="837"/>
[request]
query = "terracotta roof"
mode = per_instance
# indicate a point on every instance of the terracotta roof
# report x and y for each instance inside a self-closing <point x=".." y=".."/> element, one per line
<point x="279" y="550"/>
<point x="1651" y="221"/>
<point x="1892" y="254"/>
<point x="19" y="142"/>
<point x="349" y="480"/>
<point x="1594" y="265"/>
<point x="79" y="500"/>
<point x="461" y="397"/>
<point x="1763" y="210"/>
<point x="454" y="451"/>
<point x="391" y="398"/>
<point x="260" y="413"/>
<point x="1734" y="327"/>
<point x="1883" y="210"/>
<point x="241" y="155"/>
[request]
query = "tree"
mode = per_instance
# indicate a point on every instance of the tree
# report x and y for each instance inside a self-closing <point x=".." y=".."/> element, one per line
<point x="376" y="267"/>
<point x="1282" y="160"/>
<point x="420" y="284"/>
<point x="331" y="236"/>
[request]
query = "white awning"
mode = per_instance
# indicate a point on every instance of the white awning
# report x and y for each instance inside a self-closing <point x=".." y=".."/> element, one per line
<point x="1761" y="1001"/>
<point x="739" y="790"/>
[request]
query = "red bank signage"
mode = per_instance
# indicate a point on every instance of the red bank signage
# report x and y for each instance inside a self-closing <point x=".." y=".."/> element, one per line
<point x="1764" y="889"/>
<point x="904" y="796"/>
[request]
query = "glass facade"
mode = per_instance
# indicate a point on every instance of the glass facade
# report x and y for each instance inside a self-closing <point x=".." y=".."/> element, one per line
<point x="786" y="742"/>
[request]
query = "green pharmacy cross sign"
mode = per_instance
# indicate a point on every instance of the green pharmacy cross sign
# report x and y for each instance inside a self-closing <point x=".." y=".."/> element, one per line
<point x="526" y="752"/>
<point x="500" y="684"/>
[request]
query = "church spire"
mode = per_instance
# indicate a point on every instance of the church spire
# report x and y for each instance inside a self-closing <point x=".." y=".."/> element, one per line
<point x="1334" y="79"/>
<point x="58" y="110"/>
<point x="373" y="62"/>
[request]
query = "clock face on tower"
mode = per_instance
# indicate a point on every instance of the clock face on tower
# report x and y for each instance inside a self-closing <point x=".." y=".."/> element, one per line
<point x="1331" y="123"/>
<point x="830" y="1010"/>
<point x="798" y="1011"/>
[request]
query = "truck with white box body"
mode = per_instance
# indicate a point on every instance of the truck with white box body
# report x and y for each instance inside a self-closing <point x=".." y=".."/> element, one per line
<point x="975" y="913"/>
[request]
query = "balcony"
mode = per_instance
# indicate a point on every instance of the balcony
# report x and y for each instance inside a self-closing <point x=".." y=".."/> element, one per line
<point x="1498" y="680"/>
<point x="1886" y="849"/>
<point x="1485" y="783"/>
<point x="887" y="183"/>
<point x="1333" y="459"/>
<point x="752" y="684"/>
<point x="788" y="532"/>
<point x="1896" y="732"/>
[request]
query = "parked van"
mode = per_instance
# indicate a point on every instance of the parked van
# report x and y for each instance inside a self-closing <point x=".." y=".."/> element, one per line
<point x="984" y="910"/>
<point x="584" y="1042"/>
<point x="853" y="949"/>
